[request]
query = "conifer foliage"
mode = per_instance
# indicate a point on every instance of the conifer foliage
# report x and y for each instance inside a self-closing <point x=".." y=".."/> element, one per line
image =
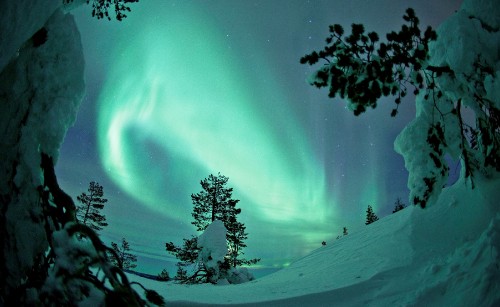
<point x="370" y="216"/>
<point x="361" y="69"/>
<point x="100" y="8"/>
<point x="213" y="202"/>
<point x="88" y="212"/>
<point x="122" y="257"/>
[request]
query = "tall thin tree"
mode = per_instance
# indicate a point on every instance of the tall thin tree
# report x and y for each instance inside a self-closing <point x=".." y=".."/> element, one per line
<point x="88" y="212"/>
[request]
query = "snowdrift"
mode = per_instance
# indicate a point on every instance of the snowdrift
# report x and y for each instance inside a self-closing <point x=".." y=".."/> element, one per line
<point x="444" y="255"/>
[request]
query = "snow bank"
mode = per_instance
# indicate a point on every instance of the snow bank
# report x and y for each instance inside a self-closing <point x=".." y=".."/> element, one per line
<point x="444" y="255"/>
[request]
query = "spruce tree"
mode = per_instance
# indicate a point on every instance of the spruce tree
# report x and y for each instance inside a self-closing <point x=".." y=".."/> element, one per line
<point x="123" y="258"/>
<point x="370" y="216"/>
<point x="88" y="212"/>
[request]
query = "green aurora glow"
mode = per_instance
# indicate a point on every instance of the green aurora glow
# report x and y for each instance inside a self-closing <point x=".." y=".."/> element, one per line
<point x="182" y="89"/>
<point x="175" y="108"/>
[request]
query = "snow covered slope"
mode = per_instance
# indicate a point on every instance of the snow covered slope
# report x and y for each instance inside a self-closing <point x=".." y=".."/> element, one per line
<point x="445" y="255"/>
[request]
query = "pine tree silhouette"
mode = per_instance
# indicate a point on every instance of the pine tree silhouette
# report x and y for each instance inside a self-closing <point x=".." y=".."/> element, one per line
<point x="123" y="258"/>
<point x="88" y="213"/>
<point x="213" y="202"/>
<point x="370" y="216"/>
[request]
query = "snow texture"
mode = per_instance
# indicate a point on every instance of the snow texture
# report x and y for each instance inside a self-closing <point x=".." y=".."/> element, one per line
<point x="469" y="38"/>
<point x="213" y="245"/>
<point x="73" y="255"/>
<point x="19" y="21"/>
<point x="41" y="86"/>
<point x="445" y="255"/>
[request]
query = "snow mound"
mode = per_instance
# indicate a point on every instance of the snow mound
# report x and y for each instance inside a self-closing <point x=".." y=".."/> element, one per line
<point x="213" y="245"/>
<point x="444" y="255"/>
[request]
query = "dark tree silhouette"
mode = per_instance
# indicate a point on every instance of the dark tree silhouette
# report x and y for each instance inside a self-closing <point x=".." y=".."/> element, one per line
<point x="122" y="257"/>
<point x="370" y="216"/>
<point x="398" y="205"/>
<point x="362" y="70"/>
<point x="88" y="213"/>
<point x="100" y="8"/>
<point x="213" y="202"/>
<point x="181" y="273"/>
<point x="163" y="276"/>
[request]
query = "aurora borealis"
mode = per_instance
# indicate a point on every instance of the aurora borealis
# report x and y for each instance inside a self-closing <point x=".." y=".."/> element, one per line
<point x="182" y="89"/>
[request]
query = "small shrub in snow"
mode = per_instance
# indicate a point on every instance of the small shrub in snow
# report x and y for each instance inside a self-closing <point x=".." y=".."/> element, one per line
<point x="398" y="205"/>
<point x="163" y="276"/>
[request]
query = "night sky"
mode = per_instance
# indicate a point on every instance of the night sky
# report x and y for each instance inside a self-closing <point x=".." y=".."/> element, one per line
<point x="183" y="89"/>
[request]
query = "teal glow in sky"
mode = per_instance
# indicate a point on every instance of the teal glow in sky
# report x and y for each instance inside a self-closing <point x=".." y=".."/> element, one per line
<point x="171" y="113"/>
<point x="182" y="89"/>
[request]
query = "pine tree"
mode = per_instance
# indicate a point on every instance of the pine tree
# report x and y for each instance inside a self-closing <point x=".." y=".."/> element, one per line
<point x="370" y="216"/>
<point x="214" y="202"/>
<point x="123" y="258"/>
<point x="398" y="205"/>
<point x="88" y="213"/>
<point x="362" y="70"/>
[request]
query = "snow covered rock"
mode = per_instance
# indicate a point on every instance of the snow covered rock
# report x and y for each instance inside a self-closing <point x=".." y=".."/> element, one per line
<point x="19" y="21"/>
<point x="40" y="92"/>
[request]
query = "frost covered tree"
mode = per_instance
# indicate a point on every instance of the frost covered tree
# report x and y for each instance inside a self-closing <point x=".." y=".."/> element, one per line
<point x="370" y="216"/>
<point x="88" y="212"/>
<point x="122" y="257"/>
<point x="213" y="203"/>
<point x="449" y="70"/>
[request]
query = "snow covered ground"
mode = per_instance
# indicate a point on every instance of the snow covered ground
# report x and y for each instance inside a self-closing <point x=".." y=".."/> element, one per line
<point x="444" y="255"/>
